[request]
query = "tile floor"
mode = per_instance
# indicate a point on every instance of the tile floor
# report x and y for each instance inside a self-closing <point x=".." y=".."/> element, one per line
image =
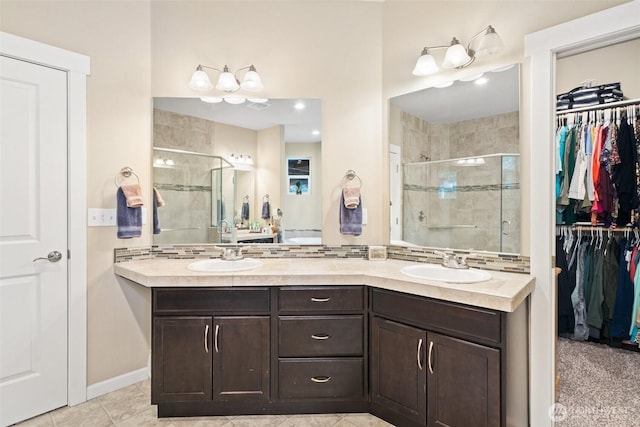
<point x="129" y="407"/>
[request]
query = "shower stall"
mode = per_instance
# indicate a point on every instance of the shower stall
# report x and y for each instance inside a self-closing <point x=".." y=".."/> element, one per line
<point x="470" y="203"/>
<point x="199" y="192"/>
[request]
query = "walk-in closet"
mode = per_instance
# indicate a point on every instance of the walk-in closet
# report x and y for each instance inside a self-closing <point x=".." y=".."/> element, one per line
<point x="597" y="211"/>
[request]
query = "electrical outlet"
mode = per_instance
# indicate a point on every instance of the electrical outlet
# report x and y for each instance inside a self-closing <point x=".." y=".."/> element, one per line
<point x="101" y="217"/>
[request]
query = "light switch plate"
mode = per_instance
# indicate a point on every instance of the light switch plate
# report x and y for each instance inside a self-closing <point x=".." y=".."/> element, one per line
<point x="101" y="217"/>
<point x="364" y="216"/>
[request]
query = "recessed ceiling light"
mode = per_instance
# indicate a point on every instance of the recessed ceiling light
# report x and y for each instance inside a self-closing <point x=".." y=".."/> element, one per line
<point x="299" y="106"/>
<point x="481" y="81"/>
<point x="315" y="132"/>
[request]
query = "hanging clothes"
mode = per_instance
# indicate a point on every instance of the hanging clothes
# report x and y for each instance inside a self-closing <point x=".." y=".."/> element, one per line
<point x="624" y="174"/>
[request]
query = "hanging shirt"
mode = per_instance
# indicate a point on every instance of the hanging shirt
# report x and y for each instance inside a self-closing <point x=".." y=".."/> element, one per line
<point x="561" y="136"/>
<point x="624" y="297"/>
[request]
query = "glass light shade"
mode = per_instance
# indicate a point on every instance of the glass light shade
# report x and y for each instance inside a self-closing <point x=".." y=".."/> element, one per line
<point x="200" y="81"/>
<point x="490" y="43"/>
<point x="211" y="99"/>
<point x="258" y="100"/>
<point x="456" y="55"/>
<point x="234" y="99"/>
<point x="425" y="65"/>
<point x="248" y="160"/>
<point x="252" y="81"/>
<point x="227" y="82"/>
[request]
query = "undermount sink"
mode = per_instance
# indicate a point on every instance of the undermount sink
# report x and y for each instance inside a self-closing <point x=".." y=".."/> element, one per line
<point x="444" y="274"/>
<point x="224" y="265"/>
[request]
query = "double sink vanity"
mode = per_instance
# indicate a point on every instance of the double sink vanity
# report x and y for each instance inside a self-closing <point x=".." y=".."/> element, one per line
<point x="415" y="344"/>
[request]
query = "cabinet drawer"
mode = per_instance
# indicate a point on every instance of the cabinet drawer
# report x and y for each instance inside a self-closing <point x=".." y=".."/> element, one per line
<point x="208" y="300"/>
<point x="456" y="319"/>
<point x="321" y="299"/>
<point x="320" y="336"/>
<point x="321" y="378"/>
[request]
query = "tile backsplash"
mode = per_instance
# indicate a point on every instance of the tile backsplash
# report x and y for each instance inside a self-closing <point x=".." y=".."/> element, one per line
<point x="486" y="260"/>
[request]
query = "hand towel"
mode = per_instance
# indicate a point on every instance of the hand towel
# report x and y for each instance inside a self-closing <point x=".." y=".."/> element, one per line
<point x="133" y="194"/>
<point x="129" y="219"/>
<point x="245" y="211"/>
<point x="158" y="197"/>
<point x="266" y="210"/>
<point x="351" y="196"/>
<point x="157" y="202"/>
<point x="350" y="219"/>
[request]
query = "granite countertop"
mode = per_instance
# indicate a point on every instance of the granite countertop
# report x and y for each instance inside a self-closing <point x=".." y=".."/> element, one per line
<point x="504" y="292"/>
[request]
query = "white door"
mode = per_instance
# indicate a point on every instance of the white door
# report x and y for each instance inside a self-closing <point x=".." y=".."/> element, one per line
<point x="395" y="191"/>
<point x="33" y="224"/>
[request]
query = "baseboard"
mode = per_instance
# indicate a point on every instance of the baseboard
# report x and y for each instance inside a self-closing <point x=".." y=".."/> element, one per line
<point x="116" y="383"/>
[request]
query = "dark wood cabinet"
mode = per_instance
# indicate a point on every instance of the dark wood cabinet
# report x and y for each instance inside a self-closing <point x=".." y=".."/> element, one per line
<point x="181" y="362"/>
<point x="321" y="345"/>
<point x="411" y="360"/>
<point x="398" y="374"/>
<point x="424" y="378"/>
<point x="463" y="383"/>
<point x="241" y="358"/>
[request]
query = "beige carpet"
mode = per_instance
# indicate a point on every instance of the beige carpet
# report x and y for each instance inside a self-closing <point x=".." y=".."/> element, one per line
<point x="599" y="386"/>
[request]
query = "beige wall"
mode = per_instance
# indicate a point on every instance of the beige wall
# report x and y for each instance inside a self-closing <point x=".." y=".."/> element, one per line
<point x="268" y="171"/>
<point x="351" y="55"/>
<point x="301" y="212"/>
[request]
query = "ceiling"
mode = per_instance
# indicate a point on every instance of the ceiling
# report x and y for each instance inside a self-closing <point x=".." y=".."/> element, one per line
<point x="465" y="100"/>
<point x="298" y="124"/>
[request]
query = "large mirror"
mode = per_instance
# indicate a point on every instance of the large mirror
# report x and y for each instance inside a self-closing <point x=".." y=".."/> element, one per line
<point x="237" y="173"/>
<point x="455" y="164"/>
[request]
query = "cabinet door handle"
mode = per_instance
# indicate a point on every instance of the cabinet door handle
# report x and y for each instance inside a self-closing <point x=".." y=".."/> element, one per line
<point x="320" y="379"/>
<point x="206" y="336"/>
<point x="429" y="362"/>
<point x="215" y="341"/>
<point x="418" y="354"/>
<point x="320" y="336"/>
<point x="320" y="299"/>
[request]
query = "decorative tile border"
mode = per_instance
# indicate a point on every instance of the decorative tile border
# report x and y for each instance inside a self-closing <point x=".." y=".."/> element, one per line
<point x="489" y="261"/>
<point x="513" y="263"/>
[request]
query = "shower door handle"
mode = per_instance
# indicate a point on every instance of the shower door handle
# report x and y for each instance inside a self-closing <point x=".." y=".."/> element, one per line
<point x="506" y="225"/>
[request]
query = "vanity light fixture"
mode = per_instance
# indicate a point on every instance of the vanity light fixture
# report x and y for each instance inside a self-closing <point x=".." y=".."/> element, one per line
<point x="228" y="82"/>
<point x="242" y="159"/>
<point x="457" y="56"/>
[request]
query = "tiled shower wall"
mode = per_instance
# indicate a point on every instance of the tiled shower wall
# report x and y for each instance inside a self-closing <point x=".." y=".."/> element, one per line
<point x="476" y="194"/>
<point x="186" y="186"/>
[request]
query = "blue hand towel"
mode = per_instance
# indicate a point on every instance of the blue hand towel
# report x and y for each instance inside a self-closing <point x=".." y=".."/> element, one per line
<point x="245" y="211"/>
<point x="266" y="211"/>
<point x="129" y="219"/>
<point x="350" y="219"/>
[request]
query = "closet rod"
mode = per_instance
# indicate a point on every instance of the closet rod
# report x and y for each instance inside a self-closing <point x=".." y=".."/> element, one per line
<point x="600" y="106"/>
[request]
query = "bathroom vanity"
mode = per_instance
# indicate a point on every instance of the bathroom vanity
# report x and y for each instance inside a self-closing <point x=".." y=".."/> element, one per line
<point x="336" y="336"/>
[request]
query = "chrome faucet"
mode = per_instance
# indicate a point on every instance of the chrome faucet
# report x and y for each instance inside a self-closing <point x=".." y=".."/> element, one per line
<point x="231" y="254"/>
<point x="451" y="261"/>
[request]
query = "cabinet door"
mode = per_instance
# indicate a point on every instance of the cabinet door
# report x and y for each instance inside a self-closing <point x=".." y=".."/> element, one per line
<point x="241" y="360"/>
<point x="398" y="370"/>
<point x="181" y="359"/>
<point x="463" y="383"/>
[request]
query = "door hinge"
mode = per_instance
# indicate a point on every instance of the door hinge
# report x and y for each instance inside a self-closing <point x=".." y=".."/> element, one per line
<point x="68" y="253"/>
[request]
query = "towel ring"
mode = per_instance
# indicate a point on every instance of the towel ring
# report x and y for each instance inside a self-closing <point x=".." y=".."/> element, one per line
<point x="246" y="198"/>
<point x="125" y="172"/>
<point x="349" y="177"/>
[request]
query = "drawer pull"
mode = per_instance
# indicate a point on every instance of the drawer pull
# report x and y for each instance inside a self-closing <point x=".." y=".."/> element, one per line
<point x="430" y="351"/>
<point x="206" y="336"/>
<point x="320" y="299"/>
<point x="320" y="379"/>
<point x="418" y="356"/>
<point x="215" y="341"/>
<point x="320" y="336"/>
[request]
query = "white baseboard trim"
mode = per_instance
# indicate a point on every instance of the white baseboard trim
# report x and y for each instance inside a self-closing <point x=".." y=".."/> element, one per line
<point x="116" y="383"/>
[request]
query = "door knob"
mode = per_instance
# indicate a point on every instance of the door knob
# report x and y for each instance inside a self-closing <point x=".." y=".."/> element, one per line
<point x="54" y="256"/>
